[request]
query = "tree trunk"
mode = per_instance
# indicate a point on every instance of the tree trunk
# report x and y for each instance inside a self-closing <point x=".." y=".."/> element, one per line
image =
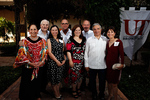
<point x="17" y="25"/>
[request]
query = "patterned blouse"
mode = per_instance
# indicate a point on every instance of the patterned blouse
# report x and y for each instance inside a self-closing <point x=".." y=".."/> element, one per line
<point x="33" y="51"/>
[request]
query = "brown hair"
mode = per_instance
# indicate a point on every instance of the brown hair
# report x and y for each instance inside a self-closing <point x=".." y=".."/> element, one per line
<point x="74" y="28"/>
<point x="113" y="28"/>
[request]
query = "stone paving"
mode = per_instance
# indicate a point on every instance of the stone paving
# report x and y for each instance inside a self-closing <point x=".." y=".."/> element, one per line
<point x="12" y="92"/>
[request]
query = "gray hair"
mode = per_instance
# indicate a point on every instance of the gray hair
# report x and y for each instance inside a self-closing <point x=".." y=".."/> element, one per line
<point x="44" y="20"/>
<point x="96" y="24"/>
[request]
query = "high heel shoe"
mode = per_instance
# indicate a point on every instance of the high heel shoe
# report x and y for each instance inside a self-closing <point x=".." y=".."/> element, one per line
<point x="58" y="98"/>
<point x="79" y="92"/>
<point x="74" y="94"/>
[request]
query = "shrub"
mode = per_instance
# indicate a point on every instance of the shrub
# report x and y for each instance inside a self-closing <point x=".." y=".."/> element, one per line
<point x="137" y="86"/>
<point x="8" y="49"/>
<point x="8" y="75"/>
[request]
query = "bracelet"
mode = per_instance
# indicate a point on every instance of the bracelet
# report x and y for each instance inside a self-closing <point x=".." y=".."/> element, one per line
<point x="43" y="62"/>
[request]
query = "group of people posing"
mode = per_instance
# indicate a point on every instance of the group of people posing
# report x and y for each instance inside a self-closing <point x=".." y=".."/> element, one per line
<point x="54" y="55"/>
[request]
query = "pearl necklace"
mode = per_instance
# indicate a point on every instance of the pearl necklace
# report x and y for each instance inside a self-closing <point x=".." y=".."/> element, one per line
<point x="34" y="38"/>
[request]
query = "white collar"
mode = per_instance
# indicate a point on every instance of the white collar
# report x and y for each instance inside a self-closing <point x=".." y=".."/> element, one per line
<point x="40" y="32"/>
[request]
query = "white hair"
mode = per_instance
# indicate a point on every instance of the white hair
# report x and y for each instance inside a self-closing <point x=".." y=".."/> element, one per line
<point x="44" y="20"/>
<point x="96" y="24"/>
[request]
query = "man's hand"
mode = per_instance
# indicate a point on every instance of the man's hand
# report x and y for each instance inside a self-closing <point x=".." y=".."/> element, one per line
<point x="87" y="69"/>
<point x="20" y="43"/>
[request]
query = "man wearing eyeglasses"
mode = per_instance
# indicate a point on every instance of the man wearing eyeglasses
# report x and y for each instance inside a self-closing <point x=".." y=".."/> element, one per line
<point x="65" y="32"/>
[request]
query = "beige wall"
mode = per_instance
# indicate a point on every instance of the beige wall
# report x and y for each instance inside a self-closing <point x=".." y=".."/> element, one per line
<point x="10" y="15"/>
<point x="72" y="22"/>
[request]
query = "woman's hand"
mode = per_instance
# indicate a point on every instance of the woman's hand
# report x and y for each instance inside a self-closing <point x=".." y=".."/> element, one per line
<point x="71" y="64"/>
<point x="120" y="67"/>
<point x="63" y="62"/>
<point x="58" y="63"/>
<point x="34" y="65"/>
<point x="40" y="63"/>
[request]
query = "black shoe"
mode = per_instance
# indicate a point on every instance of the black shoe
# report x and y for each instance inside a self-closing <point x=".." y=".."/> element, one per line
<point x="45" y="92"/>
<point x="94" y="97"/>
<point x="102" y="98"/>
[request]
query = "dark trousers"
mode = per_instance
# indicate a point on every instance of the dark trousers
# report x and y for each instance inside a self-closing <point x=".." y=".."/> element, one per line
<point x="102" y="77"/>
<point x="44" y="80"/>
<point x="30" y="90"/>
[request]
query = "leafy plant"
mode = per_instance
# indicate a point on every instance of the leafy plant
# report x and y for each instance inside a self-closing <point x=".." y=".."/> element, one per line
<point x="105" y="12"/>
<point x="8" y="75"/>
<point x="137" y="86"/>
<point x="6" y="25"/>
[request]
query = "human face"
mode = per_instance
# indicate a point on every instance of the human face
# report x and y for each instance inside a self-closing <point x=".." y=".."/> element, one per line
<point x="44" y="26"/>
<point x="64" y="24"/>
<point x="77" y="32"/>
<point x="54" y="31"/>
<point x="33" y="31"/>
<point x="97" y="30"/>
<point x="111" y="34"/>
<point x="86" y="25"/>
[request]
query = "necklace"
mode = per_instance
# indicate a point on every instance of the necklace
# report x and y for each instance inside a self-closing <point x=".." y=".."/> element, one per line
<point x="34" y="38"/>
<point x="111" y="41"/>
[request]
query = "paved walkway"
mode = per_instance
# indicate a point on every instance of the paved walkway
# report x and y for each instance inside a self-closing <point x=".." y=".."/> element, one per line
<point x="12" y="92"/>
<point x="7" y="61"/>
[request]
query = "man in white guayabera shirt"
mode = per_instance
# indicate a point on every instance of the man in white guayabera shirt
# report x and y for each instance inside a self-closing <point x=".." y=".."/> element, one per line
<point x="94" y="58"/>
<point x="44" y="33"/>
<point x="87" y="33"/>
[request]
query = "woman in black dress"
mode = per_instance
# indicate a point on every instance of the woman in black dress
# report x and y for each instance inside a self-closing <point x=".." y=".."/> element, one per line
<point x="57" y="59"/>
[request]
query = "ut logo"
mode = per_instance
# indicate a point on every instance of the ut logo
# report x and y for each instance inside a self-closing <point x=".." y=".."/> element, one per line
<point x="136" y="21"/>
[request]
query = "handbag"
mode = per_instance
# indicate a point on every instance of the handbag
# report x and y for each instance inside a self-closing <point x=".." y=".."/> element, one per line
<point x="114" y="67"/>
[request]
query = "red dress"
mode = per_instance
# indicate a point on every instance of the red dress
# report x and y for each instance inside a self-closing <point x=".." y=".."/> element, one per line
<point x="77" y="53"/>
<point x="114" y="53"/>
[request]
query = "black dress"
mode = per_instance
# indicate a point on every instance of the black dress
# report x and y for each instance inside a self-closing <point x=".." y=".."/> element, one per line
<point x="54" y="72"/>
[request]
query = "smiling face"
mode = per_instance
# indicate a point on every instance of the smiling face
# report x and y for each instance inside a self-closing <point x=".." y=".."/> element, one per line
<point x="33" y="31"/>
<point x="77" y="31"/>
<point x="64" y="24"/>
<point x="86" y="26"/>
<point x="54" y="31"/>
<point x="110" y="34"/>
<point x="97" y="30"/>
<point x="44" y="25"/>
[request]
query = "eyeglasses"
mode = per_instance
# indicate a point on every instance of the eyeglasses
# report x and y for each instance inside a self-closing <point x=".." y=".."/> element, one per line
<point x="64" y="23"/>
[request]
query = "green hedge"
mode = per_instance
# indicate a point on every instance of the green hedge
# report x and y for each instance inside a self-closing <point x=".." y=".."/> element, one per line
<point x="8" y="75"/>
<point x="8" y="49"/>
<point x="137" y="87"/>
